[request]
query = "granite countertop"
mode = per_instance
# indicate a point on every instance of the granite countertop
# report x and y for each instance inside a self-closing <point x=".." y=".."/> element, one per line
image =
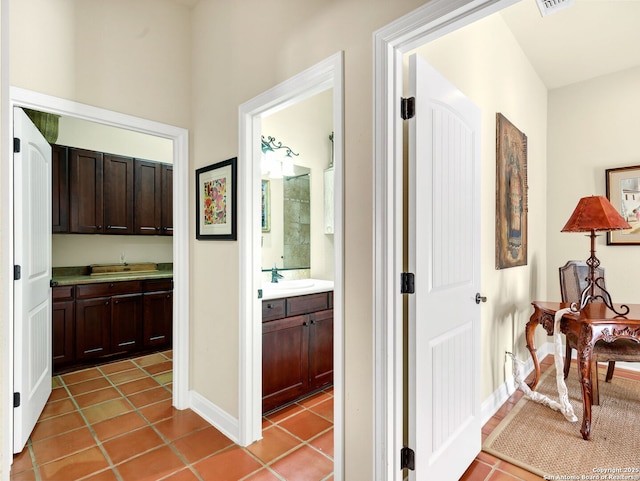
<point x="69" y="276"/>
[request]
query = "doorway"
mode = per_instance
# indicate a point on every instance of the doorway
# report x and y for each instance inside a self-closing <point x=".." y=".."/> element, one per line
<point x="326" y="75"/>
<point x="179" y="137"/>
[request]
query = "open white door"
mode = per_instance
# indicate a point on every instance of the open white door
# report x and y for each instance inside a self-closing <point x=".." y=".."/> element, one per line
<point x="32" y="318"/>
<point x="444" y="254"/>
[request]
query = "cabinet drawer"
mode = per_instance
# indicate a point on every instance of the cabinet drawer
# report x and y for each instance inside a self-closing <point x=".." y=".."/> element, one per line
<point x="306" y="304"/>
<point x="106" y="289"/>
<point x="62" y="293"/>
<point x="273" y="309"/>
<point x="155" y="285"/>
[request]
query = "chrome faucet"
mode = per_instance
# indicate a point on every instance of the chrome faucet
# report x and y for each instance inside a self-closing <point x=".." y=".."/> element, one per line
<point x="275" y="275"/>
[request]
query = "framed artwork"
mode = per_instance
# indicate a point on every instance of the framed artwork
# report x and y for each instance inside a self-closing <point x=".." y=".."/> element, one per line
<point x="623" y="191"/>
<point x="216" y="201"/>
<point x="511" y="195"/>
<point x="266" y="206"/>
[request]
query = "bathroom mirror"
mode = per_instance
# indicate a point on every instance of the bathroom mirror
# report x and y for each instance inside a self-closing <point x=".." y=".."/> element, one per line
<point x="286" y="220"/>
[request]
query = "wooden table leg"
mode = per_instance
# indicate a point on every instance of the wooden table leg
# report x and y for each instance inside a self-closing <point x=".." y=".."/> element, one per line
<point x="585" y="350"/>
<point x="530" y="331"/>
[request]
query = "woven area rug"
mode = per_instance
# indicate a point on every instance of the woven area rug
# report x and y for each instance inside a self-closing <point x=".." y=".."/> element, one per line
<point x="542" y="441"/>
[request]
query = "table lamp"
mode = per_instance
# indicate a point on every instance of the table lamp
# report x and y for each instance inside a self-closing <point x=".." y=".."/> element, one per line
<point x="595" y="213"/>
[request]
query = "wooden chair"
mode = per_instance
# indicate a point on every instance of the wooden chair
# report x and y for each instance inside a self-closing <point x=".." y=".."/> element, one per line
<point x="573" y="277"/>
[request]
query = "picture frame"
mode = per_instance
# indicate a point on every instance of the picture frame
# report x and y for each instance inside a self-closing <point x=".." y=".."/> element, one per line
<point x="266" y="205"/>
<point x="511" y="195"/>
<point x="623" y="191"/>
<point x="216" y="201"/>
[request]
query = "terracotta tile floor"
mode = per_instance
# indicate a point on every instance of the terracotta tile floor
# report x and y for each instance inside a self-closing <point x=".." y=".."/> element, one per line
<point x="115" y="422"/>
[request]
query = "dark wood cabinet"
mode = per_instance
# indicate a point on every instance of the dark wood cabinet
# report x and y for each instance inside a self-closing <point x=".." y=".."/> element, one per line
<point x="105" y="320"/>
<point x="297" y="347"/>
<point x="63" y="325"/>
<point x="126" y="323"/>
<point x="148" y="205"/>
<point x="86" y="200"/>
<point x="118" y="194"/>
<point x="98" y="193"/>
<point x="60" y="189"/>
<point x="108" y="318"/>
<point x="154" y="198"/>
<point x="158" y="313"/>
<point x="321" y="349"/>
<point x="167" y="199"/>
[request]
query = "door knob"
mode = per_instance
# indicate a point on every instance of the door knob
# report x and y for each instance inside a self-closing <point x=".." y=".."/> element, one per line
<point x="480" y="298"/>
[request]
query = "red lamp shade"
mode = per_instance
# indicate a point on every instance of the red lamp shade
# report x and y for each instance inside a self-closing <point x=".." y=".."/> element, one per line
<point x="595" y="213"/>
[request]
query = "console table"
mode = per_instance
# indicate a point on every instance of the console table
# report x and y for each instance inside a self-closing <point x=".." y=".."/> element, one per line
<point x="594" y="323"/>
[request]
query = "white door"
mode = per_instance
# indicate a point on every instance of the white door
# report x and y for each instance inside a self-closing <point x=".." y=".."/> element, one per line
<point x="32" y="317"/>
<point x="444" y="254"/>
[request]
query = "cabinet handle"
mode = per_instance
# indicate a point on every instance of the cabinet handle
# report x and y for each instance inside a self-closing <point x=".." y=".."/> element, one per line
<point x="305" y="323"/>
<point x="116" y="302"/>
<point x="98" y="227"/>
<point x="111" y="286"/>
<point x="168" y="296"/>
<point x="313" y="321"/>
<point x="269" y="306"/>
<point x="106" y="303"/>
<point x="158" y="228"/>
<point x="108" y="227"/>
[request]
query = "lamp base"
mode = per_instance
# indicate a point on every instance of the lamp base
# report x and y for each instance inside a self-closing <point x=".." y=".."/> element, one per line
<point x="588" y="295"/>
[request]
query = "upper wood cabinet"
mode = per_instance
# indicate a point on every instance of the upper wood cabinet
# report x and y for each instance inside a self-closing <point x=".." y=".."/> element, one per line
<point x="118" y="194"/>
<point x="86" y="192"/>
<point x="97" y="193"/>
<point x="154" y="199"/>
<point x="60" y="189"/>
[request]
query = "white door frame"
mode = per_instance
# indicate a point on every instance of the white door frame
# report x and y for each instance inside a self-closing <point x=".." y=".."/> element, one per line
<point x="180" y="137"/>
<point x="433" y="20"/>
<point x="322" y="76"/>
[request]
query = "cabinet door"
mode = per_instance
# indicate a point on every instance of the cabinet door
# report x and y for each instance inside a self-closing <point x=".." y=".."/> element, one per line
<point x="285" y="360"/>
<point x="167" y="199"/>
<point x="126" y="323"/>
<point x="118" y="194"/>
<point x="158" y="319"/>
<point x="59" y="189"/>
<point x="148" y="200"/>
<point x="93" y="324"/>
<point x="320" y="349"/>
<point x="63" y="333"/>
<point x="86" y="194"/>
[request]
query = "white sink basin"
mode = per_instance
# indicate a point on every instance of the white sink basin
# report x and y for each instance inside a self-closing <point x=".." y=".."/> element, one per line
<point x="298" y="287"/>
<point x="287" y="285"/>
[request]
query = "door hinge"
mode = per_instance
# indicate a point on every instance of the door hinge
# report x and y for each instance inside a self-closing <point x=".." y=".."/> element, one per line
<point x="16" y="145"/>
<point x="408" y="108"/>
<point x="407" y="283"/>
<point x="17" y="273"/>
<point x="16" y="399"/>
<point x="407" y="458"/>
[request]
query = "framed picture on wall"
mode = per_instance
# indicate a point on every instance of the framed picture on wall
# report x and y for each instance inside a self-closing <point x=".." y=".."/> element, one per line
<point x="266" y="206"/>
<point x="511" y="195"/>
<point x="216" y="201"/>
<point x="623" y="191"/>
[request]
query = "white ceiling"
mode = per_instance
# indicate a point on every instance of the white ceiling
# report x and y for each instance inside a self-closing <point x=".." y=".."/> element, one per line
<point x="589" y="39"/>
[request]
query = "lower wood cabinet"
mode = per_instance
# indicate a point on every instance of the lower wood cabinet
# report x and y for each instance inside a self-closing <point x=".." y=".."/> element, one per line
<point x="297" y="348"/>
<point x="103" y="320"/>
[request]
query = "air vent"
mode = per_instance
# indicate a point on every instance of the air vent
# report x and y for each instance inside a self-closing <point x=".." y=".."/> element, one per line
<point x="547" y="7"/>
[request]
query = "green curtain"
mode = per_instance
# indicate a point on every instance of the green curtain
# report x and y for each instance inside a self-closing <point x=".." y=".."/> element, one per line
<point x="46" y="123"/>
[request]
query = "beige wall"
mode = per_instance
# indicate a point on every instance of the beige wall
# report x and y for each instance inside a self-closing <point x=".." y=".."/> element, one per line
<point x="593" y="126"/>
<point x="490" y="68"/>
<point x="242" y="49"/>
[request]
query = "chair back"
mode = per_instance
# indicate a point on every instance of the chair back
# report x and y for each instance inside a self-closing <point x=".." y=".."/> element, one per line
<point x="573" y="279"/>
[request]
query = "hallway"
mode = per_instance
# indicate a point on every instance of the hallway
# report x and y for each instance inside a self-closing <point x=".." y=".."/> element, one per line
<point x="115" y="422"/>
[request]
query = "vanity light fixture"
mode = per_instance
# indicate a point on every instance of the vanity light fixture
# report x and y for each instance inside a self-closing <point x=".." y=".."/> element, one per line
<point x="275" y="163"/>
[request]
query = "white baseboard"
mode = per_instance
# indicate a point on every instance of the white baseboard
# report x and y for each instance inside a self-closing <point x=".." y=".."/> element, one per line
<point x="506" y="389"/>
<point x="218" y="418"/>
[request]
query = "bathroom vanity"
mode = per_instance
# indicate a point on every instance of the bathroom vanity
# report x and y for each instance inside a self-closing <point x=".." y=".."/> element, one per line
<point x="297" y="345"/>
